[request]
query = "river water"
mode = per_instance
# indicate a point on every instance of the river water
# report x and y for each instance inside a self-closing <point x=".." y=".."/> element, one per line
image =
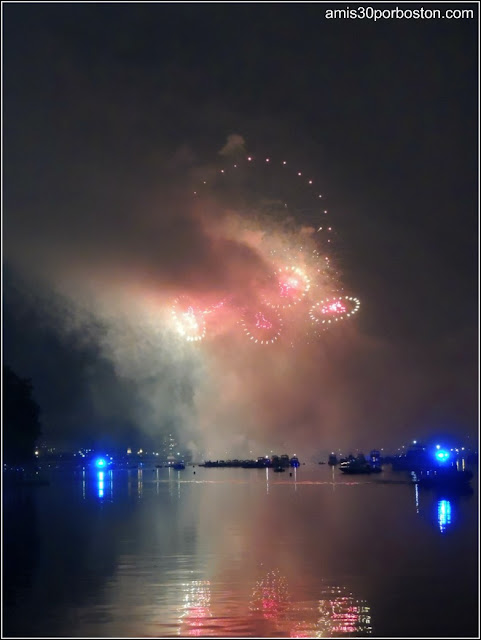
<point x="239" y="553"/>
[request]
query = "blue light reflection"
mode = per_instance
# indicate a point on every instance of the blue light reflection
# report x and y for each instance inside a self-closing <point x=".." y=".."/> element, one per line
<point x="445" y="514"/>
<point x="101" y="485"/>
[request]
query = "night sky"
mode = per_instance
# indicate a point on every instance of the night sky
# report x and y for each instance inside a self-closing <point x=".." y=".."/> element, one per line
<point x="107" y="108"/>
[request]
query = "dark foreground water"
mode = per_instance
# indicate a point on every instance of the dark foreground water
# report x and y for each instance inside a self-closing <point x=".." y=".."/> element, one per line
<point x="239" y="552"/>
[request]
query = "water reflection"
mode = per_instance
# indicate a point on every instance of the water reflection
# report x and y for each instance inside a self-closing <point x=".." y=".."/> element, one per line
<point x="100" y="483"/>
<point x="270" y="596"/>
<point x="215" y="554"/>
<point x="342" y="614"/>
<point x="416" y="496"/>
<point x="195" y="607"/>
<point x="445" y="514"/>
<point x="337" y="613"/>
<point x="104" y="485"/>
<point x="440" y="508"/>
<point x="140" y="482"/>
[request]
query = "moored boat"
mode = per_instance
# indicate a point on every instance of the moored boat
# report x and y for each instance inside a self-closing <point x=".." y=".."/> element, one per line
<point x="355" y="466"/>
<point x="443" y="478"/>
<point x="359" y="465"/>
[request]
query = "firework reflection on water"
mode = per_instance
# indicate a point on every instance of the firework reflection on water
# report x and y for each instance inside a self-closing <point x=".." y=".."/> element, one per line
<point x="337" y="614"/>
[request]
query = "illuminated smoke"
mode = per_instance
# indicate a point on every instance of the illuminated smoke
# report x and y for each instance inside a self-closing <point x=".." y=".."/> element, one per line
<point x="168" y="289"/>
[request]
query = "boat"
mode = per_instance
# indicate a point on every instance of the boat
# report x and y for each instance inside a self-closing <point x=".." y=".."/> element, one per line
<point x="178" y="466"/>
<point x="294" y="461"/>
<point x="359" y="465"/>
<point x="279" y="469"/>
<point x="416" y="458"/>
<point x="250" y="464"/>
<point x="284" y="461"/>
<point x="443" y="478"/>
<point x="332" y="460"/>
<point x="355" y="466"/>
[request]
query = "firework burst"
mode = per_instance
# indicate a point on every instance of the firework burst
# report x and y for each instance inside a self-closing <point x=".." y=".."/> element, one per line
<point x="189" y="320"/>
<point x="262" y="325"/>
<point x="277" y="212"/>
<point x="331" y="310"/>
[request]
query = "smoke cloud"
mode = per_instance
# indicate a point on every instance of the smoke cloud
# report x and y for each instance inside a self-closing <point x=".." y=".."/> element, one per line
<point x="109" y="270"/>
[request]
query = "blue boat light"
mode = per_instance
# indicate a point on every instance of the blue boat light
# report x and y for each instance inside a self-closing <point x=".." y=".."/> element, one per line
<point x="100" y="463"/>
<point x="442" y="455"/>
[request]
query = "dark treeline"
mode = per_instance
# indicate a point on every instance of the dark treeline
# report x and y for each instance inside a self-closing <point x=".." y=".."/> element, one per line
<point x="21" y="419"/>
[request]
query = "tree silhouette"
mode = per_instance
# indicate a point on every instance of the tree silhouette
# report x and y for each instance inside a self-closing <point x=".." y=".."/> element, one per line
<point x="21" y="423"/>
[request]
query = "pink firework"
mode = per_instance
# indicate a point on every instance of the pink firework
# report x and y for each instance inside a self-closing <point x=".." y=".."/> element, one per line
<point x="331" y="310"/>
<point x="289" y="287"/>
<point x="262" y="326"/>
<point x="293" y="285"/>
<point x="335" y="307"/>
<point x="262" y="322"/>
